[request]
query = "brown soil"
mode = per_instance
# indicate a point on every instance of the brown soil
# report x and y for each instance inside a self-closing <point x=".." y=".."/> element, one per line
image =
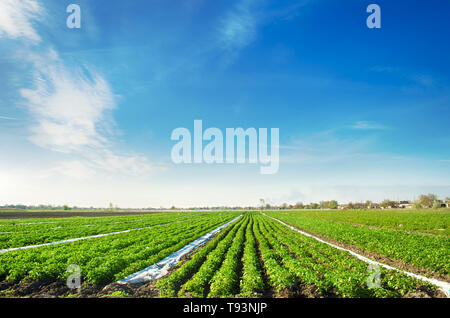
<point x="52" y="288"/>
<point x="147" y="290"/>
<point x="47" y="288"/>
<point x="425" y="292"/>
<point x="299" y="291"/>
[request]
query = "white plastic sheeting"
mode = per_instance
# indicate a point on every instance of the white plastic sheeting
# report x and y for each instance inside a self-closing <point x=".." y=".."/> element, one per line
<point x="82" y="238"/>
<point x="443" y="286"/>
<point x="161" y="268"/>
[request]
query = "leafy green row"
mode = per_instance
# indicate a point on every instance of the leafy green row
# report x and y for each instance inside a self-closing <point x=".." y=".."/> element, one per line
<point x="198" y="284"/>
<point x="312" y="269"/>
<point x="304" y="268"/>
<point x="225" y="281"/>
<point x="391" y="280"/>
<point x="251" y="283"/>
<point x="426" y="252"/>
<point x="106" y="259"/>
<point x="435" y="222"/>
<point x="169" y="286"/>
<point x="20" y="225"/>
<point x="332" y="270"/>
<point x="20" y="235"/>
<point x="279" y="277"/>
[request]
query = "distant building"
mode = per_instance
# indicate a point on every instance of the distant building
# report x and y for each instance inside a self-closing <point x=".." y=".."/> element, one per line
<point x="405" y="205"/>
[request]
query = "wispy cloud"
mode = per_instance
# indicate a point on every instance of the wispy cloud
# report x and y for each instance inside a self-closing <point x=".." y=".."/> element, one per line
<point x="420" y="79"/>
<point x="287" y="12"/>
<point x="71" y="108"/>
<point x="7" y="118"/>
<point x="326" y="147"/>
<point x="238" y="27"/>
<point x="424" y="80"/>
<point x="17" y="17"/>
<point x="335" y="145"/>
<point x="365" y="125"/>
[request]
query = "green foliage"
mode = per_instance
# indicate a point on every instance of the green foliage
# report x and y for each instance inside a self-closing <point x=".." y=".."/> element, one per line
<point x="41" y="231"/>
<point x="251" y="283"/>
<point x="170" y="285"/>
<point x="250" y="257"/>
<point x="424" y="251"/>
<point x="196" y="286"/>
<point x="107" y="259"/>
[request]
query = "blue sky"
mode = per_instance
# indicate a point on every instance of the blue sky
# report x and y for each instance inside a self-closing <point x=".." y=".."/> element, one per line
<point x="86" y="114"/>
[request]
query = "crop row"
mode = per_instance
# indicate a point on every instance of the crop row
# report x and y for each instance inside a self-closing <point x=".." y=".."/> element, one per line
<point x="258" y="255"/>
<point x="434" y="222"/>
<point x="170" y="285"/>
<point x="427" y="252"/>
<point x="17" y="236"/>
<point x="252" y="283"/>
<point x="222" y="268"/>
<point x="200" y="281"/>
<point x="225" y="282"/>
<point x="331" y="270"/>
<point x="23" y="224"/>
<point x="107" y="259"/>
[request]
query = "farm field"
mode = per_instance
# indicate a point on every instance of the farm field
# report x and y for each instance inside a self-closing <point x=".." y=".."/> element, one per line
<point x="429" y="254"/>
<point x="434" y="222"/>
<point x="39" y="214"/>
<point x="15" y="233"/>
<point x="255" y="256"/>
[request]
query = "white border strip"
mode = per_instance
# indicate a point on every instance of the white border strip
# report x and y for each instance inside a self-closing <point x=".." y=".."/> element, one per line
<point x="161" y="268"/>
<point x="443" y="286"/>
<point x="82" y="238"/>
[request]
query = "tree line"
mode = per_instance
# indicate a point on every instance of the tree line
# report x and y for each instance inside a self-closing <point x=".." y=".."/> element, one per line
<point x="424" y="201"/>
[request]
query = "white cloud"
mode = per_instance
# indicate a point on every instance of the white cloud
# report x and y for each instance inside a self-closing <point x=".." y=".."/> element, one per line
<point x="16" y="19"/>
<point x="423" y="80"/>
<point x="365" y="125"/>
<point x="74" y="169"/>
<point x="70" y="106"/>
<point x="7" y="118"/>
<point x="326" y="146"/>
<point x="71" y="109"/>
<point x="238" y="28"/>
